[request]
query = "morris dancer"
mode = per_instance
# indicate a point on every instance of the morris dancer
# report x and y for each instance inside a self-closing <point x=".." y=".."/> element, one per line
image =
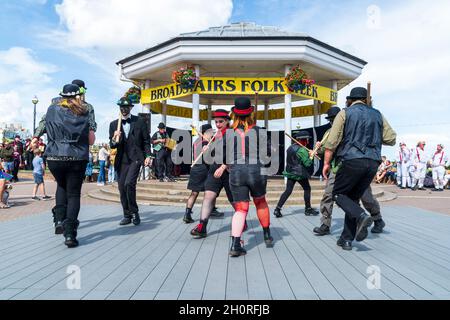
<point x="199" y="172"/>
<point x="438" y="164"/>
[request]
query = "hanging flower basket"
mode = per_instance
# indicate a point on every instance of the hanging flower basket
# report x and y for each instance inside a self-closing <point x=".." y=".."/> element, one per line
<point x="297" y="79"/>
<point x="185" y="77"/>
<point x="134" y="94"/>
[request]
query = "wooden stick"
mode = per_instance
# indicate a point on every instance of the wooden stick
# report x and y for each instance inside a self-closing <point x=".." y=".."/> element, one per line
<point x="256" y="108"/>
<point x="369" y="89"/>
<point x="119" y="126"/>
<point x="203" y="151"/>
<point x="199" y="133"/>
<point x="316" y="149"/>
<point x="316" y="156"/>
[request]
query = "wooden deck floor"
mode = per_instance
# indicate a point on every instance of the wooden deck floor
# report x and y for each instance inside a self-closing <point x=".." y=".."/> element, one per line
<point x="160" y="260"/>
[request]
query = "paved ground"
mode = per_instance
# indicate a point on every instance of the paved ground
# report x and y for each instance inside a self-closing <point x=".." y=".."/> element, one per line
<point x="160" y="260"/>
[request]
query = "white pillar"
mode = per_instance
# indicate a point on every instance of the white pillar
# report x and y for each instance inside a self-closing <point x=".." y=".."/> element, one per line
<point x="316" y="107"/>
<point x="287" y="116"/>
<point x="164" y="112"/>
<point x="209" y="113"/>
<point x="266" y="114"/>
<point x="196" y="103"/>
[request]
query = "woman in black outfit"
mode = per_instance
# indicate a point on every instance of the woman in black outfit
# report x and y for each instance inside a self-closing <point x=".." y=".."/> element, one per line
<point x="69" y="136"/>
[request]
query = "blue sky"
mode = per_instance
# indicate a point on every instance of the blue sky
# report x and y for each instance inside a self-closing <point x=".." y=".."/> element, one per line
<point x="46" y="43"/>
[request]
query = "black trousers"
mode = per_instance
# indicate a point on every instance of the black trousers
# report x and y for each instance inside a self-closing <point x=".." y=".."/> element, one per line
<point x="127" y="178"/>
<point x="352" y="180"/>
<point x="164" y="164"/>
<point x="290" y="187"/>
<point x="69" y="176"/>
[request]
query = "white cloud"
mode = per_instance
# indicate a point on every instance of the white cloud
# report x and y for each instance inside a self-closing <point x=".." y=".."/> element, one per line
<point x="23" y="76"/>
<point x="127" y="26"/>
<point x="18" y="65"/>
<point x="408" y="63"/>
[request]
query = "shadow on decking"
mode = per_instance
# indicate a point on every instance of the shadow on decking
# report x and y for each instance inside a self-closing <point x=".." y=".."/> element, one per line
<point x="149" y="221"/>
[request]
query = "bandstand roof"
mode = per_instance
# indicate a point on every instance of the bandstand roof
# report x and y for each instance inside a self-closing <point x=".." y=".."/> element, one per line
<point x="242" y="50"/>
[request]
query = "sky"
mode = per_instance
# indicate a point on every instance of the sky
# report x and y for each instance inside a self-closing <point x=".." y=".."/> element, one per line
<point x="47" y="43"/>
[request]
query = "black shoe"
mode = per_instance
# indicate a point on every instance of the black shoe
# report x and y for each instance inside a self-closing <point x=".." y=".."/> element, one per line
<point x="434" y="189"/>
<point x="422" y="189"/>
<point x="378" y="226"/>
<point x="414" y="188"/>
<point x="277" y="213"/>
<point x="70" y="233"/>
<point x="71" y="242"/>
<point x="136" y="219"/>
<point x="161" y="180"/>
<point x="216" y="213"/>
<point x="403" y="188"/>
<point x="322" y="230"/>
<point x="59" y="215"/>
<point x="311" y="212"/>
<point x="187" y="216"/>
<point x="172" y="179"/>
<point x="46" y="198"/>
<point x="268" y="238"/>
<point x="236" y="247"/>
<point x="345" y="244"/>
<point x="199" y="231"/>
<point x="36" y="198"/>
<point x="125" y="221"/>
<point x="364" y="222"/>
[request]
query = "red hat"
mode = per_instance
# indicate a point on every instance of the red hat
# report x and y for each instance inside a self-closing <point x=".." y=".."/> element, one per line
<point x="221" y="113"/>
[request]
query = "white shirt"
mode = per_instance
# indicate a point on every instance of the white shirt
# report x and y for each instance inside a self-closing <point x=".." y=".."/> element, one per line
<point x="126" y="126"/>
<point x="420" y="156"/>
<point x="403" y="155"/>
<point x="103" y="154"/>
<point x="439" y="159"/>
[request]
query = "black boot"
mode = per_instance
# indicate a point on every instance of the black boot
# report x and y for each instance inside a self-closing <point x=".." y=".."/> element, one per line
<point x="277" y="212"/>
<point x="311" y="212"/>
<point x="345" y="244"/>
<point x="267" y="237"/>
<point x="136" y="219"/>
<point x="216" y="213"/>
<point x="364" y="221"/>
<point x="127" y="219"/>
<point x="236" y="247"/>
<point x="187" y="216"/>
<point x="200" y="230"/>
<point x="59" y="215"/>
<point x="70" y="233"/>
<point x="322" y="230"/>
<point x="378" y="226"/>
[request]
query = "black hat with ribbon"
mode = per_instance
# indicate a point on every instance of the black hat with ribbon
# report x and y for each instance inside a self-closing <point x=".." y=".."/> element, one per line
<point x="242" y="107"/>
<point x="125" y="102"/>
<point x="221" y="113"/>
<point x="358" y="93"/>
<point x="70" y="91"/>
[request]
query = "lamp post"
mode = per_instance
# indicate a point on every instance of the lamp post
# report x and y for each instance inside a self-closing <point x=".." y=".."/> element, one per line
<point x="35" y="101"/>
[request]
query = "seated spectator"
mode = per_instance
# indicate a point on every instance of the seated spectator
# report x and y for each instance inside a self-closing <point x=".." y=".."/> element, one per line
<point x="382" y="170"/>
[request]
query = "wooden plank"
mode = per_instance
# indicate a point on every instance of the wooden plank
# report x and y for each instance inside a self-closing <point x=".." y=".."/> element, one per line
<point x="276" y="278"/>
<point x="336" y="277"/>
<point x="216" y="281"/>
<point x="175" y="281"/>
<point x="348" y="270"/>
<point x="195" y="281"/>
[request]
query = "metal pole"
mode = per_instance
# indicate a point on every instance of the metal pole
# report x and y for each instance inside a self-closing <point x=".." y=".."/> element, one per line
<point x="34" y="120"/>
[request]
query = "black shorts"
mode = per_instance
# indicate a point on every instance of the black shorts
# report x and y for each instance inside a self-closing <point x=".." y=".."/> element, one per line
<point x="216" y="185"/>
<point x="246" y="181"/>
<point x="197" y="178"/>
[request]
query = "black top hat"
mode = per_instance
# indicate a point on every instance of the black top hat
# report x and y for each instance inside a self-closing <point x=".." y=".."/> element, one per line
<point x="332" y="113"/>
<point x="125" y="102"/>
<point x="358" y="93"/>
<point x="161" y="125"/>
<point x="79" y="83"/>
<point x="205" y="128"/>
<point x="302" y="135"/>
<point x="221" y="113"/>
<point x="242" y="107"/>
<point x="70" y="90"/>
